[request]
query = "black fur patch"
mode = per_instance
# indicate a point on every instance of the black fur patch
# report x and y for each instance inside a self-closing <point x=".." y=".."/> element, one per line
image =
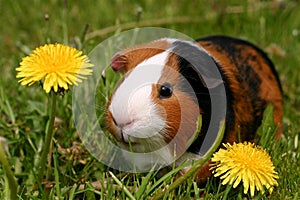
<point x="190" y="57"/>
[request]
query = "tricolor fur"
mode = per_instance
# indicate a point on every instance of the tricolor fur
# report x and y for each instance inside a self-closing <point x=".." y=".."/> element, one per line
<point x="137" y="111"/>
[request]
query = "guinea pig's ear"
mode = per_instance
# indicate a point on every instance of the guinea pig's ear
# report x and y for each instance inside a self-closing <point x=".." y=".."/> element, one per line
<point x="190" y="72"/>
<point x="118" y="62"/>
<point x="195" y="63"/>
<point x="212" y="82"/>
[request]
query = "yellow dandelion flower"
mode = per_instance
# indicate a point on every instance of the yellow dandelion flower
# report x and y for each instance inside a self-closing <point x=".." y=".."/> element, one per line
<point x="56" y="65"/>
<point x="247" y="163"/>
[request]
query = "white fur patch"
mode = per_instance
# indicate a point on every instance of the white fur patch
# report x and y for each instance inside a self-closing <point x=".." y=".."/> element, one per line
<point x="132" y="106"/>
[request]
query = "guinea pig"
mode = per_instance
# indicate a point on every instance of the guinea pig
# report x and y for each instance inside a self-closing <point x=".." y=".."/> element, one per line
<point x="161" y="95"/>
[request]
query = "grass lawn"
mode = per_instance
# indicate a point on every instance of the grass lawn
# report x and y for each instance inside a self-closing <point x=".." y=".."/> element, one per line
<point x="72" y="173"/>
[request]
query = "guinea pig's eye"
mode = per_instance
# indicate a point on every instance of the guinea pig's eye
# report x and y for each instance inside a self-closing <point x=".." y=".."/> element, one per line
<point x="165" y="90"/>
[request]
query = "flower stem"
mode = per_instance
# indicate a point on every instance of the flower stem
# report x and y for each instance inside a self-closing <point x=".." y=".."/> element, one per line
<point x="13" y="186"/>
<point x="49" y="135"/>
<point x="196" y="165"/>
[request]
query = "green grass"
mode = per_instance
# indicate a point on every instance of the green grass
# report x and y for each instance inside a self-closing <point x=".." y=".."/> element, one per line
<point x="73" y="173"/>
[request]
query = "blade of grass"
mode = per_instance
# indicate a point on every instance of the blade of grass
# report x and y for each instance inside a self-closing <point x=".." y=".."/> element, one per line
<point x="167" y="176"/>
<point x="145" y="182"/>
<point x="6" y="107"/>
<point x="197" y="191"/>
<point x="127" y="192"/>
<point x="72" y="192"/>
<point x="228" y="188"/>
<point x="13" y="186"/>
<point x="56" y="176"/>
<point x="267" y="129"/>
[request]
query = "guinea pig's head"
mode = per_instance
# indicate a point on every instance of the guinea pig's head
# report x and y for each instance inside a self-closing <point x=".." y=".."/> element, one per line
<point x="155" y="103"/>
